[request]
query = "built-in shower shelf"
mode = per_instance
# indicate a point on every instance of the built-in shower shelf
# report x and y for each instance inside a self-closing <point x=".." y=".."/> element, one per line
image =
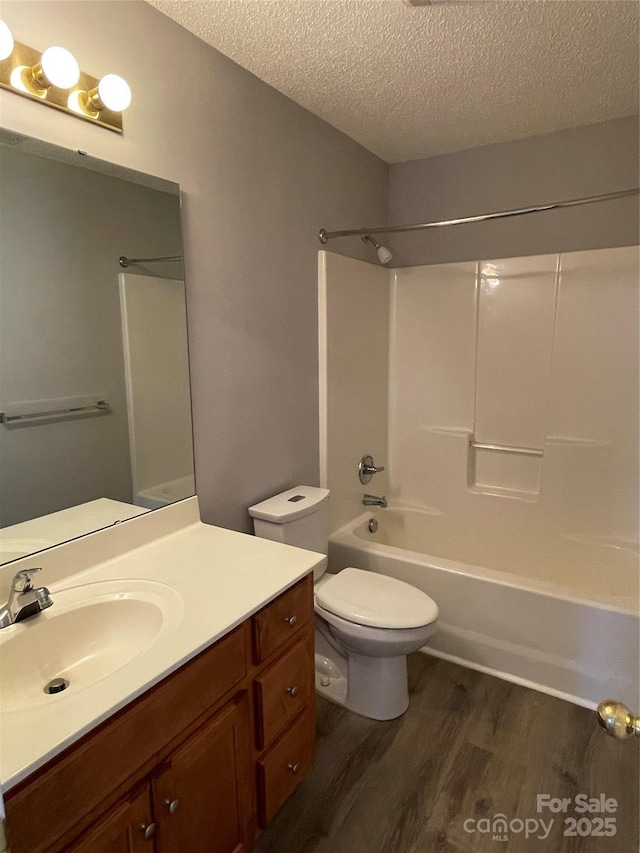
<point x="504" y="470"/>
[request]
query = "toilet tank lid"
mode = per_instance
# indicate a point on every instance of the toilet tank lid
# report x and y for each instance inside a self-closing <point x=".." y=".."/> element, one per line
<point x="289" y="505"/>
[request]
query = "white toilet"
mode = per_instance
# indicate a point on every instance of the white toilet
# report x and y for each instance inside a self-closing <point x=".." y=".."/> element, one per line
<point x="366" y="623"/>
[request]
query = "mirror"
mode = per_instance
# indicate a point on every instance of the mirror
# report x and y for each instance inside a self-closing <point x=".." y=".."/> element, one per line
<point x="94" y="383"/>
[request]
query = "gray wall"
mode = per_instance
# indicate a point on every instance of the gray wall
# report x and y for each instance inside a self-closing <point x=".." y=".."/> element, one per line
<point x="568" y="164"/>
<point x="62" y="230"/>
<point x="260" y="176"/>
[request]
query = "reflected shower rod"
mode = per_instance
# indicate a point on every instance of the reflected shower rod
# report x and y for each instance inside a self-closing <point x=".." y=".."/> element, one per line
<point x="324" y="235"/>
<point x="127" y="262"/>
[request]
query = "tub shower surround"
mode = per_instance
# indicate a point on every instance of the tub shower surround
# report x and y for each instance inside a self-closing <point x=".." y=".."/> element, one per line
<point x="511" y="425"/>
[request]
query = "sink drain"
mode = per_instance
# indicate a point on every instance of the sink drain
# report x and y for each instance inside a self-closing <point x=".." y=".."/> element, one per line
<point x="56" y="685"/>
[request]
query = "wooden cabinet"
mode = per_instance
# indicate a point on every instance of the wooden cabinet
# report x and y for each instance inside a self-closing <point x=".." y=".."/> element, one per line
<point x="276" y="623"/>
<point x="188" y="766"/>
<point x="283" y="697"/>
<point x="127" y="828"/>
<point x="284" y="764"/>
<point x="200" y="796"/>
<point x="282" y="692"/>
<point x="196" y="800"/>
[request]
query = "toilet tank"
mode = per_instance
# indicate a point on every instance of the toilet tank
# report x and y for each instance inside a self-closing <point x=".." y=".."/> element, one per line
<point x="295" y="517"/>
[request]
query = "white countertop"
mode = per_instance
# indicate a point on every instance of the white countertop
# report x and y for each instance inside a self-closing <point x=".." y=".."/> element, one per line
<point x="217" y="578"/>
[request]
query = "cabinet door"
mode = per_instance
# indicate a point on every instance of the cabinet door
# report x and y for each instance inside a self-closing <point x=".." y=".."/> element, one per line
<point x="127" y="828"/>
<point x="203" y="799"/>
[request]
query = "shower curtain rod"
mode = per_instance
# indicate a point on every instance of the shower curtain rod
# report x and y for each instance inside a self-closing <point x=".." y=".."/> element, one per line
<point x="324" y="235"/>
<point x="126" y="262"/>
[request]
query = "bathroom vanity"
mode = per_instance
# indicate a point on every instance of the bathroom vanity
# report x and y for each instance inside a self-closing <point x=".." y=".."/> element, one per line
<point x="191" y="745"/>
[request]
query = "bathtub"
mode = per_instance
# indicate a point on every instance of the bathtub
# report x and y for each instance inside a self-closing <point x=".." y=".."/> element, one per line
<point x="559" y="615"/>
<point x="166" y="493"/>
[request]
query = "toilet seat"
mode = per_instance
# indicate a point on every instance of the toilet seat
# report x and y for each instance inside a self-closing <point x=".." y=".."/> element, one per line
<point x="368" y="598"/>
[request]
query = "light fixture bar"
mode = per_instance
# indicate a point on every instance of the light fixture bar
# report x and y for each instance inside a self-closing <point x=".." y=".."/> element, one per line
<point x="25" y="57"/>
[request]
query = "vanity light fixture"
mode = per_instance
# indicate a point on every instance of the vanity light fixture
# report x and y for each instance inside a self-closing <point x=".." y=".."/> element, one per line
<point x="54" y="78"/>
<point x="112" y="93"/>
<point x="57" y="67"/>
<point x="6" y="41"/>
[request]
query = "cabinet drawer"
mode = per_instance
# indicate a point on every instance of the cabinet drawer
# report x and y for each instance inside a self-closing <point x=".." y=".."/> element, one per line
<point x="284" y="765"/>
<point x="277" y="622"/>
<point x="282" y="690"/>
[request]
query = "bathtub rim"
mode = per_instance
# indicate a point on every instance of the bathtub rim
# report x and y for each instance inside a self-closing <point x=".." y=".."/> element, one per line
<point x="346" y="536"/>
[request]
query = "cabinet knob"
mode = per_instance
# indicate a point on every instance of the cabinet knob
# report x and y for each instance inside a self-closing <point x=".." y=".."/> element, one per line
<point x="293" y="767"/>
<point x="291" y="620"/>
<point x="172" y="805"/>
<point x="292" y="691"/>
<point x="148" y="830"/>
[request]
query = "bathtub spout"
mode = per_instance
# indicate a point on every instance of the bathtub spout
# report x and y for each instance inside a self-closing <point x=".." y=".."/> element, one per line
<point x="374" y="500"/>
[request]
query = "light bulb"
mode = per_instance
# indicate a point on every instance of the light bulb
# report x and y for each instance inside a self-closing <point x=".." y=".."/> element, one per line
<point x="114" y="92"/>
<point x="60" y="67"/>
<point x="6" y="41"/>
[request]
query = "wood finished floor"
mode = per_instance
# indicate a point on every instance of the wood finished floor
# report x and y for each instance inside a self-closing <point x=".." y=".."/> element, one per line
<point x="469" y="746"/>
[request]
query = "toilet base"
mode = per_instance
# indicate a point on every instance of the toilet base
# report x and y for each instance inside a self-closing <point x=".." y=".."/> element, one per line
<point x="376" y="688"/>
<point x="330" y="682"/>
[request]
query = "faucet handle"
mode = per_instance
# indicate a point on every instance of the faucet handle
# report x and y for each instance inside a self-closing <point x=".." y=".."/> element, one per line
<point x="366" y="469"/>
<point x="23" y="577"/>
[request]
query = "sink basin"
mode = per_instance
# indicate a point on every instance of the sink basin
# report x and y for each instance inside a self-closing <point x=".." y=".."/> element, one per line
<point x="89" y="633"/>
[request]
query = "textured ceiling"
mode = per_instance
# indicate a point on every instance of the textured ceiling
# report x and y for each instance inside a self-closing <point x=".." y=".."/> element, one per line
<point x="415" y="82"/>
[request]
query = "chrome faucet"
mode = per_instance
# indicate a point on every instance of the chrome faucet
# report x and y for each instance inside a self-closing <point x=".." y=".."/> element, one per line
<point x="366" y="469"/>
<point x="374" y="500"/>
<point x="24" y="599"/>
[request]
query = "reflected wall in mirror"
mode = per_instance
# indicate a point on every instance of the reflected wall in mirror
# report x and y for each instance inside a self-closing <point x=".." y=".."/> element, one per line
<point x="94" y="381"/>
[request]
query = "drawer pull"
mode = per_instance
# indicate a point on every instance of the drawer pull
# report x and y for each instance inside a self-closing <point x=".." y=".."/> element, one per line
<point x="149" y="830"/>
<point x="292" y="691"/>
<point x="291" y="620"/>
<point x="172" y="805"/>
<point x="293" y="767"/>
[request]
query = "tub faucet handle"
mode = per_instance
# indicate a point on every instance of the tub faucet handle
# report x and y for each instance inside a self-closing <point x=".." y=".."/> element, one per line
<point x="367" y="468"/>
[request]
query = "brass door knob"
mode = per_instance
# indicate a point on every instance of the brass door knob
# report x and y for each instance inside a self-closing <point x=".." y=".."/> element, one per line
<point x="617" y="720"/>
<point x="292" y="691"/>
<point x="291" y="620"/>
<point x="293" y="767"/>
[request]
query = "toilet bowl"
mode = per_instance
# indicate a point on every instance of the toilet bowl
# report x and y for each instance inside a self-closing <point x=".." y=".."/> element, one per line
<point x="371" y="622"/>
<point x="365" y="624"/>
